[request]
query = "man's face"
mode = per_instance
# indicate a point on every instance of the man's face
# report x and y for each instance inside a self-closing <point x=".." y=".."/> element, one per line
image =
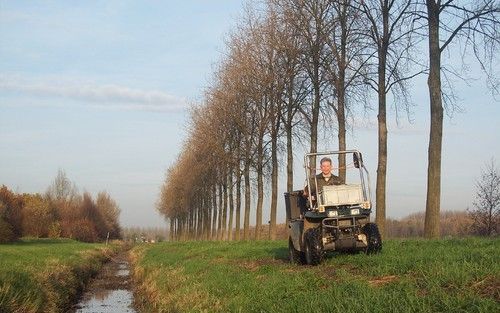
<point x="326" y="168"/>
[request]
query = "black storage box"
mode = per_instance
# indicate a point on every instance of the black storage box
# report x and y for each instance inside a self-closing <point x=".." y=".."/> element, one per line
<point x="294" y="204"/>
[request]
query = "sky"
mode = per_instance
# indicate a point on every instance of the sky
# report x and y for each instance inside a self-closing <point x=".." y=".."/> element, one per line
<point x="101" y="89"/>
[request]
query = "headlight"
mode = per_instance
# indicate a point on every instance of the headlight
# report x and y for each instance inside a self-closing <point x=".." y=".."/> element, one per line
<point x="354" y="211"/>
<point x="333" y="213"/>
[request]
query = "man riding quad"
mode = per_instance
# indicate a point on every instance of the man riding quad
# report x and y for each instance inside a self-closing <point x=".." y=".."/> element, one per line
<point x="330" y="215"/>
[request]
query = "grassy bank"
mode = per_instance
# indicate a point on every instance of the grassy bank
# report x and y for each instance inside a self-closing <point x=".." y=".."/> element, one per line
<point x="409" y="276"/>
<point x="47" y="275"/>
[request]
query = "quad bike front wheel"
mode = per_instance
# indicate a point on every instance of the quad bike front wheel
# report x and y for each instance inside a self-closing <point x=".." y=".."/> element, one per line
<point x="313" y="246"/>
<point x="373" y="238"/>
<point x="296" y="256"/>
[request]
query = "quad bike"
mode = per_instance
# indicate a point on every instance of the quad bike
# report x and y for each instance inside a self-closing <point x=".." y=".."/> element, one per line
<point x="336" y="218"/>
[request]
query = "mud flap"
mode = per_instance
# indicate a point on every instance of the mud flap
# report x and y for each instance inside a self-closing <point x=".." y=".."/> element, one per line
<point x="296" y="228"/>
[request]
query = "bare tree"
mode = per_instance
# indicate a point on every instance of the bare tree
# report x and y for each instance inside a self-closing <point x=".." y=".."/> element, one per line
<point x="293" y="79"/>
<point x="61" y="188"/>
<point x="486" y="212"/>
<point x="308" y="21"/>
<point x="346" y="65"/>
<point x="475" y="24"/>
<point x="390" y="43"/>
<point x="260" y="76"/>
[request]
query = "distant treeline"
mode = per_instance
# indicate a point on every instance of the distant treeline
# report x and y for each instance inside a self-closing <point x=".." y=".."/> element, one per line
<point x="144" y="234"/>
<point x="452" y="224"/>
<point x="60" y="212"/>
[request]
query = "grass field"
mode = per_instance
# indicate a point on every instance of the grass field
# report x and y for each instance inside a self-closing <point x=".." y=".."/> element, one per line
<point x="456" y="275"/>
<point x="46" y="275"/>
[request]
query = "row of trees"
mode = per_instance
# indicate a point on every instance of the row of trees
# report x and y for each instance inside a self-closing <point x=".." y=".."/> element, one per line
<point x="297" y="69"/>
<point x="452" y="223"/>
<point x="60" y="212"/>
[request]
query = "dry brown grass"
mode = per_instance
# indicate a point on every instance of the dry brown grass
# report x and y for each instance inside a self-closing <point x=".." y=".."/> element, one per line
<point x="489" y="287"/>
<point x="63" y="283"/>
<point x="16" y="301"/>
<point x="382" y="280"/>
<point x="170" y="293"/>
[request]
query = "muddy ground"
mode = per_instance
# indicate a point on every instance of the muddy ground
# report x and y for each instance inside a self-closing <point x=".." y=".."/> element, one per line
<point x="110" y="290"/>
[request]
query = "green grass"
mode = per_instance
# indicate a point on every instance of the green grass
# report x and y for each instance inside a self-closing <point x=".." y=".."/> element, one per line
<point x="46" y="275"/>
<point x="457" y="275"/>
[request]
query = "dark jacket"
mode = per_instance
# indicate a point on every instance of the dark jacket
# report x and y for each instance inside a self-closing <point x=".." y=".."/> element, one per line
<point x="333" y="180"/>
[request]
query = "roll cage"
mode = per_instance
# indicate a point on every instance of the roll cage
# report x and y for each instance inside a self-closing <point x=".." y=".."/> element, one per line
<point x="348" y="194"/>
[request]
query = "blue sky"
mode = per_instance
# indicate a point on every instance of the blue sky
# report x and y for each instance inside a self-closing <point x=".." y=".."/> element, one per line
<point x="101" y="90"/>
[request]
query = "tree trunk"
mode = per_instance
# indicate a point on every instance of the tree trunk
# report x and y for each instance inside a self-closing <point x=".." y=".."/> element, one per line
<point x="260" y="188"/>
<point x="171" y="236"/>
<point x="274" y="182"/>
<point x="174" y="229"/>
<point x="231" y="207"/>
<point x="219" y="219"/>
<point x="342" y="132"/>
<point x="214" y="212"/>
<point x="238" y="205"/>
<point x="224" y="212"/>
<point x="192" y="224"/>
<point x="246" y="222"/>
<point x="181" y="227"/>
<point x="314" y="127"/>
<point x="289" y="143"/>
<point x="490" y="220"/>
<point x="382" y="143"/>
<point x="190" y="229"/>
<point x="432" y="208"/>
<point x="174" y="234"/>
<point x="208" y="220"/>
<point x="341" y="91"/>
<point x="197" y="220"/>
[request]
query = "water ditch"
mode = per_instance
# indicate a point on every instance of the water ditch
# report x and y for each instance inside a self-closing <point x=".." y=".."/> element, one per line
<point x="110" y="291"/>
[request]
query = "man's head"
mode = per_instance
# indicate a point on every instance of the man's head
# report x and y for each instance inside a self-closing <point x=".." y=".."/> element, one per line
<point x="326" y="166"/>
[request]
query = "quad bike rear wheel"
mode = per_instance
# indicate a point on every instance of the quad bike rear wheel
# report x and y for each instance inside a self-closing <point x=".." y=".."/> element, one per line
<point x="296" y="256"/>
<point x="373" y="238"/>
<point x="313" y="246"/>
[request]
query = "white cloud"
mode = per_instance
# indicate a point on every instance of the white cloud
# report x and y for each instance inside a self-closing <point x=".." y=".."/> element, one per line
<point x="108" y="95"/>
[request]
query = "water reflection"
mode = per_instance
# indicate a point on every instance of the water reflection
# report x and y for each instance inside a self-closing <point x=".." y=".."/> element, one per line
<point x="108" y="301"/>
<point x="110" y="291"/>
